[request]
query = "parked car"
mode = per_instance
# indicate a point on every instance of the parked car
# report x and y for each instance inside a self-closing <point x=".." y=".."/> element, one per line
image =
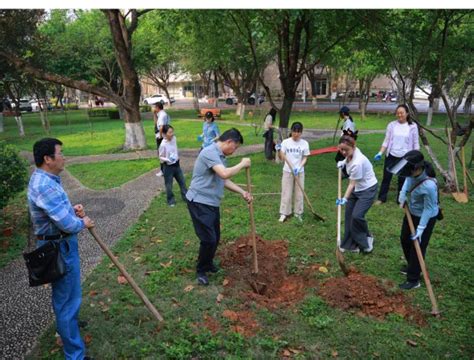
<point x="231" y="100"/>
<point x="152" y="100"/>
<point x="24" y="105"/>
<point x="35" y="104"/>
<point x="254" y="97"/>
<point x="420" y="94"/>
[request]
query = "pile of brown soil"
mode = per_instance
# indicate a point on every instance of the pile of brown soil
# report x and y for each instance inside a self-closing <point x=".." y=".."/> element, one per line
<point x="272" y="286"/>
<point x="243" y="322"/>
<point x="366" y="295"/>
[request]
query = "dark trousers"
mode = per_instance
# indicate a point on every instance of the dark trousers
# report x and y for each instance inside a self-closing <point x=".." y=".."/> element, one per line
<point x="387" y="178"/>
<point x="206" y="220"/>
<point x="170" y="172"/>
<point x="413" y="272"/>
<point x="356" y="229"/>
<point x="269" y="146"/>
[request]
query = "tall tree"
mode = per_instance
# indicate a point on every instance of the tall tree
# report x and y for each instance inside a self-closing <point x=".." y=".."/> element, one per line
<point x="301" y="39"/>
<point x="124" y="91"/>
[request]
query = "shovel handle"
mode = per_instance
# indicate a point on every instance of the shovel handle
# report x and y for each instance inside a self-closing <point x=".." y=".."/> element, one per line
<point x="127" y="276"/>
<point x="434" y="304"/>
<point x="297" y="180"/>
<point x="252" y="224"/>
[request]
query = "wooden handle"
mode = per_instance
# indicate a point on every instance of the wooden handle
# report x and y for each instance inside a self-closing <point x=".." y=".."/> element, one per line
<point x="252" y="224"/>
<point x="339" y="194"/>
<point x="127" y="276"/>
<point x="464" y="171"/>
<point x="451" y="153"/>
<point x="297" y="180"/>
<point x="434" y="304"/>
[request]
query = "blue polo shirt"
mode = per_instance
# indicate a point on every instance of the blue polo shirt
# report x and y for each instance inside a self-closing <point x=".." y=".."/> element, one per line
<point x="206" y="186"/>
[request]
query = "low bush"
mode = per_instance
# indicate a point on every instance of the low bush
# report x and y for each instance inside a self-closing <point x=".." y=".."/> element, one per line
<point x="114" y="114"/>
<point x="13" y="173"/>
<point x="145" y="108"/>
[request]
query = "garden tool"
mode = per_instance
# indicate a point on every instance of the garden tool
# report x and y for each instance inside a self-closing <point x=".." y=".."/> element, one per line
<point x="297" y="180"/>
<point x="252" y="225"/>
<point x="458" y="196"/>
<point x="339" y="256"/>
<point x="127" y="276"/>
<point x="434" y="304"/>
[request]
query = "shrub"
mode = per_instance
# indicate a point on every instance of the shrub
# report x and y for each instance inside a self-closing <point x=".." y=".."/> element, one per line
<point x="13" y="173"/>
<point x="145" y="108"/>
<point x="114" y="114"/>
<point x="71" y="107"/>
<point x="98" y="112"/>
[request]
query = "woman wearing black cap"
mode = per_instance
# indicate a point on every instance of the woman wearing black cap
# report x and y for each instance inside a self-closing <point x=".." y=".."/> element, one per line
<point x="210" y="130"/>
<point x="349" y="124"/>
<point x="421" y="184"/>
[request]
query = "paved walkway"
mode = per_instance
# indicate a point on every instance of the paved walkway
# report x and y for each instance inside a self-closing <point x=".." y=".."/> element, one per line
<point x="26" y="312"/>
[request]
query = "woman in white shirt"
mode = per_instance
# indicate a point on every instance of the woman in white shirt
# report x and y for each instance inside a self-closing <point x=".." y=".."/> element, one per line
<point x="170" y="159"/>
<point x="296" y="151"/>
<point x="401" y="137"/>
<point x="358" y="198"/>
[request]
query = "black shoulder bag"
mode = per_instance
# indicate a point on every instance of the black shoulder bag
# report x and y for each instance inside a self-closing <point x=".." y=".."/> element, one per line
<point x="45" y="264"/>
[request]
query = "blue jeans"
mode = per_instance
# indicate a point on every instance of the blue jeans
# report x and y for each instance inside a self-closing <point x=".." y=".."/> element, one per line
<point x="66" y="299"/>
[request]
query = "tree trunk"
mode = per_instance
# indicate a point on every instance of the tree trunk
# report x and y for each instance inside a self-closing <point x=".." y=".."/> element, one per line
<point x="134" y="132"/>
<point x="429" y="116"/>
<point x="19" y="122"/>
<point x="285" y="111"/>
<point x="43" y="122"/>
<point x="242" y="112"/>
<point x="165" y="89"/>
<point x="1" y="123"/>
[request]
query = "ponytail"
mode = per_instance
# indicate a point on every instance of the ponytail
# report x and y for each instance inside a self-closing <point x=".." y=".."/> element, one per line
<point x="429" y="169"/>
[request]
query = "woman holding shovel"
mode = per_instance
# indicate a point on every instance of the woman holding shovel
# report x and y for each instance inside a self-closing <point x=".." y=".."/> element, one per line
<point x="423" y="209"/>
<point x="358" y="198"/>
<point x="294" y="151"/>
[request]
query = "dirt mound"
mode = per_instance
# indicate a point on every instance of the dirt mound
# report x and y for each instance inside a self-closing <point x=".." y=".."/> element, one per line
<point x="272" y="286"/>
<point x="243" y="322"/>
<point x="366" y="295"/>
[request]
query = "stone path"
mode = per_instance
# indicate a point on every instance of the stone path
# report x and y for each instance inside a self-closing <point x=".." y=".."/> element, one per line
<point x="26" y="312"/>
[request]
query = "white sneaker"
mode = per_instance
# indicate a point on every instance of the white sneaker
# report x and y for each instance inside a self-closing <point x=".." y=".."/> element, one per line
<point x="355" y="251"/>
<point x="299" y="218"/>
<point x="370" y="241"/>
<point x="282" y="218"/>
<point x="159" y="173"/>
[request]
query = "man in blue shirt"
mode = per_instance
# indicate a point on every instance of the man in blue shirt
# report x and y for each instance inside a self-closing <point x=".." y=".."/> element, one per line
<point x="210" y="176"/>
<point x="55" y="219"/>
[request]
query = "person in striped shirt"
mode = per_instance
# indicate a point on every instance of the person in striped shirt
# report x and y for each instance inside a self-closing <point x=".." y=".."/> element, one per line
<point x="55" y="219"/>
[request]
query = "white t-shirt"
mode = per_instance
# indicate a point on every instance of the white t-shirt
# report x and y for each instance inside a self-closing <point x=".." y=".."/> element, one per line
<point x="169" y="150"/>
<point x="349" y="125"/>
<point x="163" y="119"/>
<point x="268" y="122"/>
<point x="401" y="139"/>
<point x="360" y="169"/>
<point x="294" y="152"/>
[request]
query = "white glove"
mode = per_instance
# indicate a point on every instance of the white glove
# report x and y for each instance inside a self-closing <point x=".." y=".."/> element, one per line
<point x="341" y="164"/>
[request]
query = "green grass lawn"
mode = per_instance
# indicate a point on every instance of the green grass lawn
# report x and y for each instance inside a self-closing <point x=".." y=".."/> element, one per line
<point x="100" y="135"/>
<point x="160" y="250"/>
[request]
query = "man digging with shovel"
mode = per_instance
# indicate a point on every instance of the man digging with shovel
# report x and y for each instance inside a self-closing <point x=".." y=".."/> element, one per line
<point x="210" y="176"/>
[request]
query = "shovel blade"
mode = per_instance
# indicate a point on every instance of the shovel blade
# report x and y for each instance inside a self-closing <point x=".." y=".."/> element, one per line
<point x="340" y="260"/>
<point x="460" y="197"/>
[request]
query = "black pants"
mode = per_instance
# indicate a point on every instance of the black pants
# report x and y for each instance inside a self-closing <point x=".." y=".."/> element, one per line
<point x="387" y="178"/>
<point x="413" y="272"/>
<point x="170" y="172"/>
<point x="269" y="146"/>
<point x="206" y="221"/>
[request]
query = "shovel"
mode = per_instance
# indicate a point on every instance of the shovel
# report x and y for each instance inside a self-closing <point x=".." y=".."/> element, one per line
<point x="339" y="256"/>
<point x="252" y="225"/>
<point x="464" y="172"/>
<point x="434" y="304"/>
<point x="297" y="180"/>
<point x="460" y="197"/>
<point x="124" y="272"/>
